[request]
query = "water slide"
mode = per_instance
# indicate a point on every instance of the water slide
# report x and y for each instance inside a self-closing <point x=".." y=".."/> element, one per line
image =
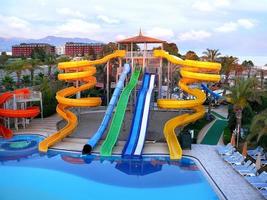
<point x="191" y="72"/>
<point x="115" y="127"/>
<point x="104" y="124"/>
<point x="137" y="118"/>
<point x="135" y="142"/>
<point x="10" y="113"/>
<point x="215" y="95"/>
<point x="75" y="71"/>
<point x="144" y="124"/>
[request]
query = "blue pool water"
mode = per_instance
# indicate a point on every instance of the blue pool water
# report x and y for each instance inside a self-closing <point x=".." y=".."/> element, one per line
<point x="28" y="175"/>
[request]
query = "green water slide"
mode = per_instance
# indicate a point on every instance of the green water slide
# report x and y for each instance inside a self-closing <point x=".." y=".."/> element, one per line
<point x="115" y="127"/>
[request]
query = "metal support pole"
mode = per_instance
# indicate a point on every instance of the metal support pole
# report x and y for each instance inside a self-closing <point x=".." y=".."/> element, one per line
<point x="41" y="105"/>
<point x="168" y="81"/>
<point x="160" y="78"/>
<point x="107" y="86"/>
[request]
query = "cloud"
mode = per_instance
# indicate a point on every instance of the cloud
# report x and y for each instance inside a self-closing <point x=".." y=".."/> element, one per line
<point x="246" y="23"/>
<point x="77" y="27"/>
<point x="160" y="32"/>
<point x="107" y="19"/>
<point x="12" y="26"/>
<point x="233" y="26"/>
<point x="70" y="13"/>
<point x="227" y="27"/>
<point x="14" y="22"/>
<point x="120" y="37"/>
<point x="203" y="6"/>
<point x="209" y="6"/>
<point x="194" y="35"/>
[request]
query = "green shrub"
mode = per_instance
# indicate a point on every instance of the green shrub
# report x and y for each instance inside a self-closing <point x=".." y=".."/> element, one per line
<point x="49" y="89"/>
<point x="227" y="135"/>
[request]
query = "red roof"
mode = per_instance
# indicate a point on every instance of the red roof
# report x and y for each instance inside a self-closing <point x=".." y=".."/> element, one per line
<point x="140" y="39"/>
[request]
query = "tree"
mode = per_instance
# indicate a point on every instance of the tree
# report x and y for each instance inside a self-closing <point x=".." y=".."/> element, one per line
<point x="171" y="48"/>
<point x="191" y="55"/>
<point x="212" y="54"/>
<point x="258" y="126"/>
<point x="3" y="59"/>
<point x="32" y="65"/>
<point x="228" y="64"/>
<point x="17" y="66"/>
<point x="244" y="91"/>
<point x="51" y="61"/>
<point x="248" y="65"/>
<point x="39" y="53"/>
<point x="8" y="83"/>
<point x="109" y="48"/>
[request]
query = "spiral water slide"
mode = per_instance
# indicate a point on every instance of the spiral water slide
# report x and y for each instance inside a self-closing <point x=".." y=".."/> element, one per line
<point x="191" y="72"/>
<point x="10" y="113"/>
<point x="75" y="71"/>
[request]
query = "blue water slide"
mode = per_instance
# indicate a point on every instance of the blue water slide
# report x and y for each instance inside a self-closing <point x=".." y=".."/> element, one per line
<point x="104" y="124"/>
<point x="215" y="95"/>
<point x="131" y="143"/>
<point x="142" y="134"/>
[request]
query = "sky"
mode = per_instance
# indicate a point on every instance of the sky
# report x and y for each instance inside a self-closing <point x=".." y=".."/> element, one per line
<point x="235" y="27"/>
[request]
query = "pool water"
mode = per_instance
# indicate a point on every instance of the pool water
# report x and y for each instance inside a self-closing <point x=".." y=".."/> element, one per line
<point x="28" y="175"/>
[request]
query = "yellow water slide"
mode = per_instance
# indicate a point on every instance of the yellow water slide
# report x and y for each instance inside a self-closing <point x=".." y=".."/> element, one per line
<point x="191" y="72"/>
<point x="81" y="71"/>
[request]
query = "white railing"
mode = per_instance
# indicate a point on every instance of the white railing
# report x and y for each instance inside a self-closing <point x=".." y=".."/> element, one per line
<point x="138" y="54"/>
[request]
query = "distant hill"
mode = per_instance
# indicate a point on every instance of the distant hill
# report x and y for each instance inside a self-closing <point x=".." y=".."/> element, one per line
<point x="6" y="43"/>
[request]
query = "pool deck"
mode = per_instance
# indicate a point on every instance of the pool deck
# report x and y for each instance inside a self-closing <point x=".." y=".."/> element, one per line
<point x="233" y="185"/>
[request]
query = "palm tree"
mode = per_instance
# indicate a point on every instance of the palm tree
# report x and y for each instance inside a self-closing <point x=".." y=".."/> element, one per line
<point x="17" y="66"/>
<point x="248" y="64"/>
<point x="244" y="91"/>
<point x="8" y="83"/>
<point x="258" y="126"/>
<point x="32" y="65"/>
<point x="51" y="61"/>
<point x="211" y="55"/>
<point x="228" y="64"/>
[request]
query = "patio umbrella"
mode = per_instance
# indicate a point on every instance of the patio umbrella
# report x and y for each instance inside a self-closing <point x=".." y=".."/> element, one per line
<point x="245" y="149"/>
<point x="233" y="139"/>
<point x="258" y="161"/>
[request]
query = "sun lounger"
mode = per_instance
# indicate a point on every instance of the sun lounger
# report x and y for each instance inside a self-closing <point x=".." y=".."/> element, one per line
<point x="250" y="171"/>
<point x="228" y="151"/>
<point x="264" y="193"/>
<point x="261" y="178"/>
<point x="260" y="186"/>
<point x="254" y="152"/>
<point x="222" y="147"/>
<point x="235" y="154"/>
<point x="244" y="166"/>
<point x="238" y="160"/>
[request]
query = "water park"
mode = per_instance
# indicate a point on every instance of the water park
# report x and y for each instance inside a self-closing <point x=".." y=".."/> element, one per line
<point x="137" y="121"/>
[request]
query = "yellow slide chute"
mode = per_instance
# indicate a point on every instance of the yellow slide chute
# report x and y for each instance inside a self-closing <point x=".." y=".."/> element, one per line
<point x="191" y="72"/>
<point x="75" y="71"/>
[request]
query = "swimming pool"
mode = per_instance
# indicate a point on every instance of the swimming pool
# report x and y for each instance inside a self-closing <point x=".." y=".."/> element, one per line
<point x="69" y="176"/>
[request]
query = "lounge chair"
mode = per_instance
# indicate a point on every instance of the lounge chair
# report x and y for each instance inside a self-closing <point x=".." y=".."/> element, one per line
<point x="260" y="186"/>
<point x="254" y="152"/>
<point x="238" y="160"/>
<point x="228" y="151"/>
<point x="261" y="178"/>
<point x="222" y="147"/>
<point x="244" y="166"/>
<point x="264" y="193"/>
<point x="250" y="171"/>
<point x="235" y="154"/>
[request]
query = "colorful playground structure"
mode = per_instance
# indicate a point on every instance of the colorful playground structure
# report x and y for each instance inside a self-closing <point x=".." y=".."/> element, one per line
<point x="13" y="105"/>
<point x="130" y="92"/>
